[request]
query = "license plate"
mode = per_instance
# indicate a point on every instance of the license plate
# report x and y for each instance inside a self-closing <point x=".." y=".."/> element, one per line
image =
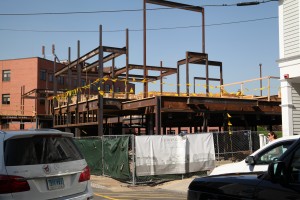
<point x="55" y="183"/>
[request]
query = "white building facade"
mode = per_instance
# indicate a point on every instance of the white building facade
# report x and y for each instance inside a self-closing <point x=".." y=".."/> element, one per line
<point x="289" y="64"/>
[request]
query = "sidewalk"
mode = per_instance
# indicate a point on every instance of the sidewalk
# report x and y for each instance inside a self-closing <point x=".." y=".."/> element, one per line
<point x="102" y="182"/>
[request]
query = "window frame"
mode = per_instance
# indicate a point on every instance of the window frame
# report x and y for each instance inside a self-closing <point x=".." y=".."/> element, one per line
<point x="43" y="74"/>
<point x="6" y="75"/>
<point x="5" y="99"/>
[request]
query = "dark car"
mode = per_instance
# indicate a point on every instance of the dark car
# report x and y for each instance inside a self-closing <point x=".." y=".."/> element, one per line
<point x="281" y="181"/>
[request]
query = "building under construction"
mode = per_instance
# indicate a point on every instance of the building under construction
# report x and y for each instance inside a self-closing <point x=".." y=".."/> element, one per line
<point x="111" y="111"/>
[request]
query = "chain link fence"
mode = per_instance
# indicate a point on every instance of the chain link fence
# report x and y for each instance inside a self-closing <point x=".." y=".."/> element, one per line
<point x="234" y="146"/>
<point x="114" y="155"/>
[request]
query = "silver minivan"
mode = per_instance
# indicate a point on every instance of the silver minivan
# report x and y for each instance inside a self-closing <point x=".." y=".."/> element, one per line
<point x="42" y="164"/>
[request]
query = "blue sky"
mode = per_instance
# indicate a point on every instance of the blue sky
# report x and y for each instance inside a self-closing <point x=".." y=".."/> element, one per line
<point x="241" y="46"/>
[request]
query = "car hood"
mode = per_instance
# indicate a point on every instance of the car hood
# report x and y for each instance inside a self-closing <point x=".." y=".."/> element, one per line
<point x="230" y="168"/>
<point x="241" y="186"/>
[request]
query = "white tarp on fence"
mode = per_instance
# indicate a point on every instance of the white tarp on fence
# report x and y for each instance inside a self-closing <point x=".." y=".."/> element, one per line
<point x="157" y="154"/>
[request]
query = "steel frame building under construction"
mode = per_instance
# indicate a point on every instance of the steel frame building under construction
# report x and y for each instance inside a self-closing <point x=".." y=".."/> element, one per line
<point x="154" y="112"/>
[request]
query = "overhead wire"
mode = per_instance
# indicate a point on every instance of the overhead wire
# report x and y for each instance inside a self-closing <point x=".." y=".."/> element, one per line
<point x="132" y="10"/>
<point x="138" y="30"/>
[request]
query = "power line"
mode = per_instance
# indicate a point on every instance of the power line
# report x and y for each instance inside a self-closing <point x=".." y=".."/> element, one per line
<point x="131" y="10"/>
<point x="250" y="3"/>
<point x="138" y="30"/>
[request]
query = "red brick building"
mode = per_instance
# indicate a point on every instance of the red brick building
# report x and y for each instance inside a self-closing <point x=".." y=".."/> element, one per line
<point x="25" y="85"/>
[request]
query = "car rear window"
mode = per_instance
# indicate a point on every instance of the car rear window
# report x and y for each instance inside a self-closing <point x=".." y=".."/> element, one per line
<point x="40" y="150"/>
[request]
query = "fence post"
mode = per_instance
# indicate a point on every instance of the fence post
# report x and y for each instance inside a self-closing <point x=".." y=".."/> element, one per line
<point x="102" y="139"/>
<point x="250" y="141"/>
<point x="133" y="158"/>
<point x="218" y="148"/>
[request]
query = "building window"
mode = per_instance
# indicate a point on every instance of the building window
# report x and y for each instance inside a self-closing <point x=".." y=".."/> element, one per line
<point x="43" y="74"/>
<point x="22" y="126"/>
<point x="5" y="98"/>
<point x="6" y="75"/>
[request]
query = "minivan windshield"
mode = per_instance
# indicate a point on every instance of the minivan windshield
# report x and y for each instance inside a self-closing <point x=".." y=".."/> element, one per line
<point x="42" y="149"/>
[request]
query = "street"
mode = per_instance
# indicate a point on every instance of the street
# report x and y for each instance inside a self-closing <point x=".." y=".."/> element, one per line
<point x="102" y="194"/>
<point x="107" y="188"/>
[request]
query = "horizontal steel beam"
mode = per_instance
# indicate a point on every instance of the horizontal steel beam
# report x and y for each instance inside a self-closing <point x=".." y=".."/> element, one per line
<point x="105" y="59"/>
<point x="203" y="78"/>
<point x="138" y="104"/>
<point x="141" y="67"/>
<point x="200" y="62"/>
<point x="89" y="55"/>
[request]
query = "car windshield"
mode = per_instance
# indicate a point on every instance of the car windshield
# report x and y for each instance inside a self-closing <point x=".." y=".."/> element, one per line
<point x="40" y="150"/>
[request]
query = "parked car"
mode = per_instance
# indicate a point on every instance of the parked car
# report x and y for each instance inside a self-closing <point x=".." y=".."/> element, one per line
<point x="260" y="159"/>
<point x="281" y="181"/>
<point x="42" y="164"/>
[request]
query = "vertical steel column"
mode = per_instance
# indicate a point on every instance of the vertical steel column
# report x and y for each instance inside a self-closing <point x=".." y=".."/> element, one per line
<point x="54" y="85"/>
<point x="127" y="63"/>
<point x="161" y="79"/>
<point x="145" y="52"/>
<point x="260" y="76"/>
<point x="100" y="76"/>
<point x="187" y="73"/>
<point x="207" y="75"/>
<point x="21" y="100"/>
<point x="113" y="77"/>
<point x="54" y="77"/>
<point x="69" y="87"/>
<point x="221" y="79"/>
<point x="269" y="92"/>
<point x="194" y="85"/>
<point x="158" y="115"/>
<point x="203" y="31"/>
<point x="35" y="110"/>
<point x="178" y="80"/>
<point x="78" y="83"/>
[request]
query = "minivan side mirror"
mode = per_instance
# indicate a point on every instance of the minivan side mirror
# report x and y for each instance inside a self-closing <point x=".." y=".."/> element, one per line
<point x="250" y="160"/>
<point x="277" y="172"/>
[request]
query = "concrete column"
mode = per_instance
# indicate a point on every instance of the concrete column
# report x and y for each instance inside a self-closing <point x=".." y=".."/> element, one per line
<point x="286" y="108"/>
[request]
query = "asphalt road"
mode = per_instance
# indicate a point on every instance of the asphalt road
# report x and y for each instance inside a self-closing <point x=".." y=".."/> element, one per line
<point x="103" y="194"/>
